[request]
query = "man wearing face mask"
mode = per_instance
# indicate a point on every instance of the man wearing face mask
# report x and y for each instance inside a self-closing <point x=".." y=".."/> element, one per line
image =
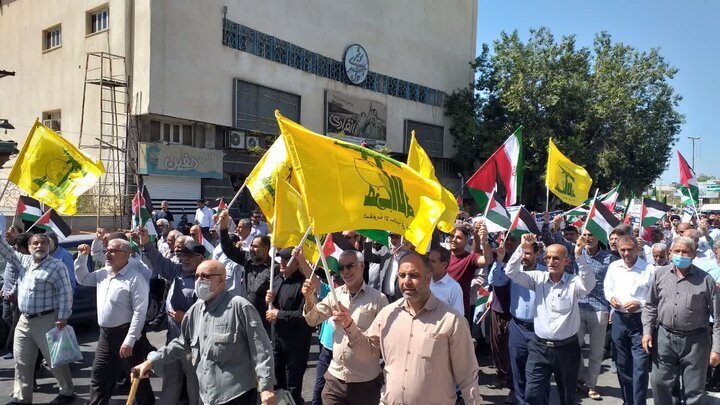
<point x="681" y="300"/>
<point x="256" y="263"/>
<point x="44" y="297"/>
<point x="626" y="286"/>
<point x="229" y="348"/>
<point x="179" y="299"/>
<point x="122" y="302"/>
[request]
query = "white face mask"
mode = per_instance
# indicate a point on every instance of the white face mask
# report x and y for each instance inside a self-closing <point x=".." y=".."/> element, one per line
<point x="202" y="289"/>
<point x="380" y="252"/>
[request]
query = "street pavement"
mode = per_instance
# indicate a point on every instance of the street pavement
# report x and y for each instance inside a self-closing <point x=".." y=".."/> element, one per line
<point x="87" y="337"/>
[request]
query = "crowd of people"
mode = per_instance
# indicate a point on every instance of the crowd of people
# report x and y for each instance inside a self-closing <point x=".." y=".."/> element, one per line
<point x="394" y="326"/>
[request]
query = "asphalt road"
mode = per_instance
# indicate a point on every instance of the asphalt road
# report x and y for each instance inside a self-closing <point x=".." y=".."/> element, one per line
<point x="87" y="336"/>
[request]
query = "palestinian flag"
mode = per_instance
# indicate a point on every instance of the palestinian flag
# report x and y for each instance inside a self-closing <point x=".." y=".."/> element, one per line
<point x="206" y="243"/>
<point x="51" y="221"/>
<point x="600" y="222"/>
<point x="28" y="209"/>
<point x="335" y="243"/>
<point x="689" y="188"/>
<point x="609" y="199"/>
<point x="497" y="217"/>
<point x="523" y="223"/>
<point x="218" y="205"/>
<point x="506" y="164"/>
<point x="141" y="212"/>
<point x="652" y="211"/>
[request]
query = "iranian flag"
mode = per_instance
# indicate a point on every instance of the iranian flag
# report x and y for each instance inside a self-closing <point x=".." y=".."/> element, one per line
<point x="28" y="209"/>
<point x="609" y="199"/>
<point x="335" y="243"/>
<point x="523" y="223"/>
<point x="652" y="211"/>
<point x="496" y="216"/>
<point x="506" y="164"/>
<point x="51" y="221"/>
<point x="689" y="188"/>
<point x="600" y="222"/>
<point x="141" y="212"/>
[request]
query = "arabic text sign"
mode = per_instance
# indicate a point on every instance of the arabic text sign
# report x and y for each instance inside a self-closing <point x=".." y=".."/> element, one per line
<point x="355" y="118"/>
<point x="180" y="160"/>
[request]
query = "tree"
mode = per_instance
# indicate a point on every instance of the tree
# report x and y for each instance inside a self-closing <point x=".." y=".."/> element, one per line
<point x="705" y="177"/>
<point x="610" y="109"/>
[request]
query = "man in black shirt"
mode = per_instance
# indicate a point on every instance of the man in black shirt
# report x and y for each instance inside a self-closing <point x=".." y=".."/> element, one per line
<point x="291" y="338"/>
<point x="256" y="263"/>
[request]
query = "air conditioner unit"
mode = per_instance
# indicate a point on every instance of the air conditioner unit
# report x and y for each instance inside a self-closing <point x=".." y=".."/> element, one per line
<point x="52" y="124"/>
<point x="236" y="139"/>
<point x="252" y="142"/>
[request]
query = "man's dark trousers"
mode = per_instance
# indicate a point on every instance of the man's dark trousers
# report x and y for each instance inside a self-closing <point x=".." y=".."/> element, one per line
<point x="563" y="360"/>
<point x="633" y="364"/>
<point x="107" y="366"/>
<point x="519" y="337"/>
<point x="322" y="366"/>
<point x="291" y="355"/>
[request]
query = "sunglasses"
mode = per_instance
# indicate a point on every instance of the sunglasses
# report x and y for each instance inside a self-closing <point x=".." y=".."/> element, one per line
<point x="203" y="276"/>
<point x="348" y="266"/>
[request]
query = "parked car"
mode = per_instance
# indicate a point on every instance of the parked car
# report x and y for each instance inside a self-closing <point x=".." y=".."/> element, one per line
<point x="84" y="299"/>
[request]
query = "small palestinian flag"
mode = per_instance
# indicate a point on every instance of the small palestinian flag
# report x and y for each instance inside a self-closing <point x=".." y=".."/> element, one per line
<point x="497" y="217"/>
<point x="28" y="209"/>
<point x="523" y="223"/>
<point x="335" y="243"/>
<point x="689" y="184"/>
<point x="141" y="212"/>
<point x="652" y="211"/>
<point x="218" y="205"/>
<point x="200" y="239"/>
<point x="51" y="221"/>
<point x="600" y="222"/>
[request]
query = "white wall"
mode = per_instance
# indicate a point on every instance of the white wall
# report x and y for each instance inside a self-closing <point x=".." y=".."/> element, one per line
<point x="423" y="41"/>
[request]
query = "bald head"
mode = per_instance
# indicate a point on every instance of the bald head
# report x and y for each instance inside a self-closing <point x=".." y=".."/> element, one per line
<point x="682" y="227"/>
<point x="211" y="272"/>
<point x="211" y="267"/>
<point x="691" y="233"/>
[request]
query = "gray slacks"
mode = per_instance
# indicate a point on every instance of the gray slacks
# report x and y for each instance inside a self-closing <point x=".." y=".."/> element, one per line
<point x="676" y="356"/>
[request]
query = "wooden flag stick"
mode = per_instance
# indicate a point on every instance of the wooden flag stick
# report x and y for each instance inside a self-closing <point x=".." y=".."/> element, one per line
<point x="300" y="244"/>
<point x="588" y="216"/>
<point x="133" y="390"/>
<point x="272" y="272"/>
<point x="547" y="198"/>
<point x="237" y="195"/>
<point x="35" y="223"/>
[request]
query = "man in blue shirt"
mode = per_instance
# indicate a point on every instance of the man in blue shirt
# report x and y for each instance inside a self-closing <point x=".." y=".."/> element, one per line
<point x="64" y="256"/>
<point x="522" y="312"/>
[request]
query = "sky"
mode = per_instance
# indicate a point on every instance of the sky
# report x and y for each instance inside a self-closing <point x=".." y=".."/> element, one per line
<point x="686" y="32"/>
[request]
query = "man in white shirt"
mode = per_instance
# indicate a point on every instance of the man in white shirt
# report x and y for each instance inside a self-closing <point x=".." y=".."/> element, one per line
<point x="556" y="349"/>
<point x="626" y="287"/>
<point x="259" y="227"/>
<point x="204" y="219"/>
<point x="122" y="301"/>
<point x="443" y="286"/>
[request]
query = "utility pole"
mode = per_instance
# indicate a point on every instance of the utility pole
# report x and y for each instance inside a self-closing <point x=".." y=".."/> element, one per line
<point x="693" y="139"/>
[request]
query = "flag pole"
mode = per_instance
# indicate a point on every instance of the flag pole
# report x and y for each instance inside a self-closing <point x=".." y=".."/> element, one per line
<point x="692" y="201"/>
<point x="237" y="195"/>
<point x="487" y="206"/>
<point x="36" y="222"/>
<point x="333" y="297"/>
<point x="300" y="244"/>
<point x="547" y="198"/>
<point x="272" y="272"/>
<point x="591" y="209"/>
<point x="7" y="183"/>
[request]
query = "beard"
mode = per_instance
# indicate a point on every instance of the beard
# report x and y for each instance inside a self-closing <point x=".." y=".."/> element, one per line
<point x="39" y="255"/>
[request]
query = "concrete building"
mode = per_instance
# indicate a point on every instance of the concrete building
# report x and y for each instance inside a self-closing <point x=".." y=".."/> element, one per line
<point x="202" y="79"/>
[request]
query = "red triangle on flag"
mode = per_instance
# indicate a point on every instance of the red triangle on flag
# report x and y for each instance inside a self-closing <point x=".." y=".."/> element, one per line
<point x="45" y="218"/>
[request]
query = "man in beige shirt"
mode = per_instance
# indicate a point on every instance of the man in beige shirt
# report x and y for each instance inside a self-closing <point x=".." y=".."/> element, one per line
<point x="427" y="347"/>
<point x="353" y="376"/>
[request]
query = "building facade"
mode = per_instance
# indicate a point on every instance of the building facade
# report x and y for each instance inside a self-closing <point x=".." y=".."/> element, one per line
<point x="199" y="80"/>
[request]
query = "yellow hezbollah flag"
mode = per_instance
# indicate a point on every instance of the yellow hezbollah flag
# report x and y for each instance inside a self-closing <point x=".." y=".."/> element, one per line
<point x="52" y="170"/>
<point x="346" y="186"/>
<point x="570" y="182"/>
<point x="420" y="161"/>
<point x="291" y="221"/>
<point x="261" y="182"/>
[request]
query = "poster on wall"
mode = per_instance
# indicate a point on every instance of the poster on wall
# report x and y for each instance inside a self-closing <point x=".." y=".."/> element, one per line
<point x="180" y="160"/>
<point x="354" y="119"/>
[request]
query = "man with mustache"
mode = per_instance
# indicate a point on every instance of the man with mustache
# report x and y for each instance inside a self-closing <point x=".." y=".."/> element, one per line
<point x="45" y="301"/>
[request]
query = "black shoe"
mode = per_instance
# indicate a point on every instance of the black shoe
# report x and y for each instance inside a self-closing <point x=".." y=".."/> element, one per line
<point x="14" y="401"/>
<point x="64" y="399"/>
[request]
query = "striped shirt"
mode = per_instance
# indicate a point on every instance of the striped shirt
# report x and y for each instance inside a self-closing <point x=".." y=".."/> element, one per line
<point x="41" y="286"/>
<point x="595" y="301"/>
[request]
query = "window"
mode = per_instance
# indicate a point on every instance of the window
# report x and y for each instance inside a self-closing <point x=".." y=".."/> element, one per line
<point x="52" y="38"/>
<point x="51" y="119"/>
<point x="98" y="20"/>
<point x="255" y="105"/>
<point x="172" y="133"/>
<point x="429" y="136"/>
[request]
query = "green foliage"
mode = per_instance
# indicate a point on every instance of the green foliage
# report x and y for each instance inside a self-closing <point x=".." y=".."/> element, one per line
<point x="705" y="177"/>
<point x="610" y="109"/>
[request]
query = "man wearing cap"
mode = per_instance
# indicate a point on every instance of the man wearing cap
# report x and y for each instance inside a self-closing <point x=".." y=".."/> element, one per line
<point x="179" y="299"/>
<point x="122" y="301"/>
<point x="291" y="337"/>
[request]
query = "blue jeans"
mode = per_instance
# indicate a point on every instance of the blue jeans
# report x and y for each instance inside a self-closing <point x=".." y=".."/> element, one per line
<point x="633" y="364"/>
<point x="322" y="365"/>
<point x="518" y="339"/>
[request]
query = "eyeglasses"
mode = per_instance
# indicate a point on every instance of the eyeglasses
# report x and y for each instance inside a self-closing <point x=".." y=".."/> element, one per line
<point x="203" y="276"/>
<point x="348" y="266"/>
<point x="113" y="251"/>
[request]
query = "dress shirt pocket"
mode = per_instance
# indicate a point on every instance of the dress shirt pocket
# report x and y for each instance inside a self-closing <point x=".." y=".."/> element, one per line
<point x="195" y="350"/>
<point x="365" y="317"/>
<point x="38" y="278"/>
<point x="563" y="305"/>
<point x="695" y="302"/>
<point x="221" y="345"/>
<point x="431" y="344"/>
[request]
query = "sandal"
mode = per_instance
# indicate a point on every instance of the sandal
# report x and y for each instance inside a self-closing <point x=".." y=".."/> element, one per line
<point x="594" y="394"/>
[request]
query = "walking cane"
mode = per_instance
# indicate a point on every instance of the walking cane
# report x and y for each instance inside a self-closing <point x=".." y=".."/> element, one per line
<point x="133" y="390"/>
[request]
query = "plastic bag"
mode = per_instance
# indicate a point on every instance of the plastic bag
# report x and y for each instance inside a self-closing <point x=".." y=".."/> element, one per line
<point x="63" y="346"/>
